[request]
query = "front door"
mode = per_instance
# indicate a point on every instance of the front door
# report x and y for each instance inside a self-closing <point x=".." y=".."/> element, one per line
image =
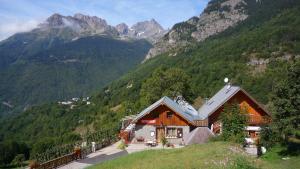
<point x="252" y="134"/>
<point x="160" y="132"/>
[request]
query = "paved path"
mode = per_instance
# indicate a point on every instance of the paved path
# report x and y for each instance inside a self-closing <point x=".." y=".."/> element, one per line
<point x="105" y="154"/>
<point x="99" y="156"/>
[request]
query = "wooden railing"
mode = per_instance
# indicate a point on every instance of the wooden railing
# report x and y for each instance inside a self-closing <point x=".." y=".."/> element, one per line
<point x="69" y="157"/>
<point x="201" y="123"/>
<point x="46" y="161"/>
<point x="258" y="120"/>
<point x="57" y="161"/>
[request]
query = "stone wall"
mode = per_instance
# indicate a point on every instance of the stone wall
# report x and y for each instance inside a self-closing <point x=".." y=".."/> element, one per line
<point x="144" y="131"/>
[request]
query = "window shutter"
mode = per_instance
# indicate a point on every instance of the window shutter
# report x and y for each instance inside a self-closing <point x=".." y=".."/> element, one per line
<point x="179" y="133"/>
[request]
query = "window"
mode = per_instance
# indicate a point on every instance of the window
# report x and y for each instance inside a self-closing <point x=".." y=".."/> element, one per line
<point x="179" y="133"/>
<point x="171" y="132"/>
<point x="155" y="115"/>
<point x="174" y="133"/>
<point x="152" y="133"/>
<point x="169" y="114"/>
<point x="257" y="134"/>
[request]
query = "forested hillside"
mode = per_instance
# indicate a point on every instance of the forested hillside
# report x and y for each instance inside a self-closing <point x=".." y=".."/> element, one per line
<point x="64" y="70"/>
<point x="255" y="55"/>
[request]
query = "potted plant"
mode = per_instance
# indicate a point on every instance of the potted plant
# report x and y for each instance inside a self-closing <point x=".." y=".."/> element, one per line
<point x="77" y="152"/>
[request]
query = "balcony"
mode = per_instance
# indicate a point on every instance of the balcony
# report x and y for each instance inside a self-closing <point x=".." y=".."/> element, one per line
<point x="258" y="120"/>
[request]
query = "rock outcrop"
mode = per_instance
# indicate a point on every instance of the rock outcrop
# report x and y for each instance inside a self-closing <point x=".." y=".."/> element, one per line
<point x="218" y="16"/>
<point x="81" y="24"/>
<point x="84" y="25"/>
<point x="122" y="28"/>
<point x="150" y="30"/>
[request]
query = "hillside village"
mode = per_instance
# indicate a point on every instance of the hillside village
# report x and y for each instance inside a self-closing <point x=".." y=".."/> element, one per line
<point x="74" y="101"/>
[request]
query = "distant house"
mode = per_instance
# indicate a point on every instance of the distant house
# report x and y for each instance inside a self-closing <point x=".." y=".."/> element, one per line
<point x="66" y="103"/>
<point x="75" y="99"/>
<point x="179" y="122"/>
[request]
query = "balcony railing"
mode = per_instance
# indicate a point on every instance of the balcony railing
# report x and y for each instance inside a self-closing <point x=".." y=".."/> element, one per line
<point x="258" y="120"/>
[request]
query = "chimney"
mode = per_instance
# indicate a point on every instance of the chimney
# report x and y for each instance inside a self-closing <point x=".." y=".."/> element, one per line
<point x="206" y="100"/>
<point x="228" y="85"/>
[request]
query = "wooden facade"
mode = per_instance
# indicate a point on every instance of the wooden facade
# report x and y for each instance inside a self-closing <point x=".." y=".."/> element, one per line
<point x="201" y="123"/>
<point x="257" y="116"/>
<point x="163" y="116"/>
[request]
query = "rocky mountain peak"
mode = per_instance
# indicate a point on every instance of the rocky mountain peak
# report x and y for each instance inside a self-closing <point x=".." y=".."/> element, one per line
<point x="92" y="21"/>
<point x="153" y="21"/>
<point x="122" y="28"/>
<point x="55" y="20"/>
<point x="216" y="17"/>
<point x="150" y="30"/>
<point x="80" y="25"/>
<point x="80" y="16"/>
<point x="151" y="25"/>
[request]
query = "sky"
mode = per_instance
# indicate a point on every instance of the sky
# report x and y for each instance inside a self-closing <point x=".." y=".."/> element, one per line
<point x="24" y="15"/>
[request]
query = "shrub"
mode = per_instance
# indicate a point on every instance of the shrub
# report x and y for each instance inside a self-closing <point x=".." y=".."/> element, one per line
<point x="234" y="120"/>
<point x="19" y="159"/>
<point x="122" y="145"/>
<point x="268" y="136"/>
<point x="163" y="141"/>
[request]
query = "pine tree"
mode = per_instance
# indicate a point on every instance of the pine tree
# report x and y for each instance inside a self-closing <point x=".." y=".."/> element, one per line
<point x="286" y="103"/>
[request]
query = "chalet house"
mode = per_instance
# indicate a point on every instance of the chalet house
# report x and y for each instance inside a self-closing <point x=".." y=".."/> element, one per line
<point x="179" y="122"/>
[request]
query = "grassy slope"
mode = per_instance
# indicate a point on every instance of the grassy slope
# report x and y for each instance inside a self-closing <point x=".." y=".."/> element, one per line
<point x="273" y="159"/>
<point x="210" y="155"/>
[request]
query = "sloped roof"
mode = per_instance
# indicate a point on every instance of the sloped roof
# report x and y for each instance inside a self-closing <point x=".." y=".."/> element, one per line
<point x="219" y="99"/>
<point x="198" y="135"/>
<point x="186" y="111"/>
<point x="187" y="115"/>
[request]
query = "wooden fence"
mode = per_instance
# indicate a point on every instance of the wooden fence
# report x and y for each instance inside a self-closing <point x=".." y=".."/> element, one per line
<point x="57" y="161"/>
<point x="102" y="138"/>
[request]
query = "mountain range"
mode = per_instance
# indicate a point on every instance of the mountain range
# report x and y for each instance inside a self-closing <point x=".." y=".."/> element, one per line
<point x="83" y="25"/>
<point x="69" y="56"/>
<point x="58" y="30"/>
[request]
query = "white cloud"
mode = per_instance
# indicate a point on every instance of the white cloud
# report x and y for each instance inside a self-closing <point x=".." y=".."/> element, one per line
<point x="10" y="28"/>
